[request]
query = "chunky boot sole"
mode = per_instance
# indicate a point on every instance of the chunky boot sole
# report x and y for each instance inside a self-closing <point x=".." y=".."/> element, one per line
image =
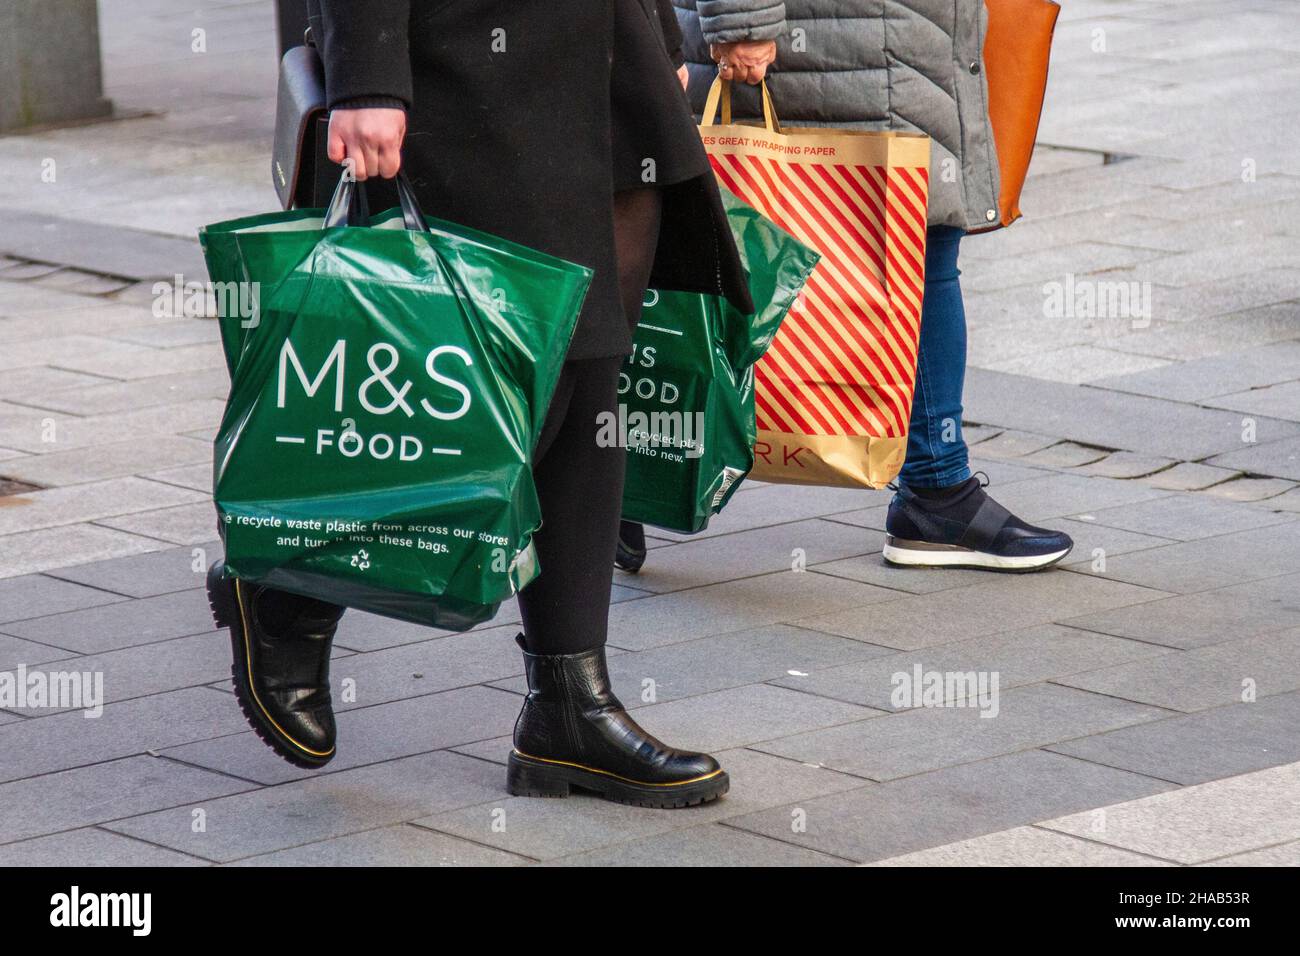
<point x="534" y="777"/>
<point x="227" y="613"/>
<point x="923" y="554"/>
<point x="629" y="560"/>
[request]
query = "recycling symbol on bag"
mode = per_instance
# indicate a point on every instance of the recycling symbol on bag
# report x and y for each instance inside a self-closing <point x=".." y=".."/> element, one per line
<point x="361" y="560"/>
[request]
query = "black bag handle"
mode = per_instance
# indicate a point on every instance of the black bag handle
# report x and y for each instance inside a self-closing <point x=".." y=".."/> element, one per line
<point x="349" y="206"/>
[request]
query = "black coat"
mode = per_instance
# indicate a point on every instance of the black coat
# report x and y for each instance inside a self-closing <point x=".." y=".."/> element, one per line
<point x="517" y="126"/>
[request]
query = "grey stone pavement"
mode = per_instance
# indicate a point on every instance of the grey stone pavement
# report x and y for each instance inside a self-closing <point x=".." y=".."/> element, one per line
<point x="1135" y="378"/>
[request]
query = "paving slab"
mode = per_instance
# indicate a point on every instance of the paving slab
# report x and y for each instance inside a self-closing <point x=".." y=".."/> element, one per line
<point x="1061" y="495"/>
<point x="1208" y="563"/>
<point x="1205" y="677"/>
<point x="1190" y="476"/>
<point x="929" y="738"/>
<point x="1251" y="489"/>
<point x="872" y="569"/>
<point x="971" y="434"/>
<point x="94" y="794"/>
<point x="1003" y="472"/>
<point x="322" y="807"/>
<point x="1094" y="543"/>
<point x="779" y="504"/>
<point x="1009" y="443"/>
<point x="1227" y="327"/>
<point x="198" y="477"/>
<point x="782" y="598"/>
<point x="145" y="575"/>
<point x="184" y="524"/>
<point x="123" y="624"/>
<point x="98" y="397"/>
<point x="426" y="667"/>
<point x="368" y="735"/>
<point x="40" y="380"/>
<point x="96" y="316"/>
<point x="994" y="605"/>
<point x="1076" y="364"/>
<point x="22" y="298"/>
<point x="1284" y="854"/>
<point x="14" y="652"/>
<point x="885" y="820"/>
<point x="53" y="432"/>
<point x="1126" y="464"/>
<point x="183" y="330"/>
<point x="1278" y="459"/>
<point x="1094" y="416"/>
<point x="150" y="669"/>
<point x="114" y="460"/>
<point x="90" y="846"/>
<point x="1186" y="517"/>
<point x="723" y="661"/>
<point x="744" y="716"/>
<point x="131" y="364"/>
<point x="400" y="845"/>
<point x="1203" y="746"/>
<point x="1200" y="823"/>
<point x="1205" y="378"/>
<point x="36" y="595"/>
<point x="1066" y="455"/>
<point x="1288" y="501"/>
<point x="1023" y="846"/>
<point x="67" y="351"/>
<point x="51" y="548"/>
<point x="1209" y="617"/>
<point x="42" y="745"/>
<point x="119" y="252"/>
<point x="88" y="502"/>
<point x="705" y="846"/>
<point x="1018" y="657"/>
<point x="710" y="560"/>
<point x="549" y="829"/>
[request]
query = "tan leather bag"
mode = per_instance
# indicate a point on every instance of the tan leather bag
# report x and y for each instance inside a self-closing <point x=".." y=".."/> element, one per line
<point x="1017" y="49"/>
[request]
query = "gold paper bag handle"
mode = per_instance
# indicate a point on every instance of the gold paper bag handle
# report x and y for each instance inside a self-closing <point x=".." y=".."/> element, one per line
<point x="720" y="96"/>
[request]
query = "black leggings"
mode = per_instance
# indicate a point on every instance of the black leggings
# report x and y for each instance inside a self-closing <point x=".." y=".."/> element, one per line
<point x="579" y="483"/>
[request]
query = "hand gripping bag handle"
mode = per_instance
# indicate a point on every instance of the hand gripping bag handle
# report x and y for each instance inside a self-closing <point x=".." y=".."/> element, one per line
<point x="349" y="207"/>
<point x="720" y="95"/>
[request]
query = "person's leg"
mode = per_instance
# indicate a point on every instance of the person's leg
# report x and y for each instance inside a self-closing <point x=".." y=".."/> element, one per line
<point x="580" y="484"/>
<point x="572" y="730"/>
<point x="941" y="515"/>
<point x="936" y="452"/>
<point x="281" y="647"/>
<point x="636" y="218"/>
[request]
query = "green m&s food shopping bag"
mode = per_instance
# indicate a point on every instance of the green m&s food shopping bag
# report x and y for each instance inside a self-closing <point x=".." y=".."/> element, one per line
<point x="386" y="395"/>
<point x="686" y="393"/>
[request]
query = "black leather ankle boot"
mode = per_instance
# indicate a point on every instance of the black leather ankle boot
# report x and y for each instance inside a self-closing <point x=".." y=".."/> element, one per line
<point x="281" y="644"/>
<point x="573" y="732"/>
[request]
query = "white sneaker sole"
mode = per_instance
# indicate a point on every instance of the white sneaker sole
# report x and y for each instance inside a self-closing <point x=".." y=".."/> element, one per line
<point x="952" y="556"/>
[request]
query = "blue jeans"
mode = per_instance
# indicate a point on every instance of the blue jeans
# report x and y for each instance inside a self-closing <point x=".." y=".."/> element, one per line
<point x="936" y="453"/>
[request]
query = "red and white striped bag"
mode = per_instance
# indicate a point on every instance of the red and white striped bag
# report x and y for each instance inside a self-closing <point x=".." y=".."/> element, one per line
<point x="834" y="392"/>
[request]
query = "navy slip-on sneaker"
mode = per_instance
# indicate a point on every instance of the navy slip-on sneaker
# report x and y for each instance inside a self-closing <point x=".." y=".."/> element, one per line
<point x="966" y="529"/>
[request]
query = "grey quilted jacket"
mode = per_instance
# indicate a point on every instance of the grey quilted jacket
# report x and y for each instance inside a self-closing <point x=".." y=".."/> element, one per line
<point x="876" y="64"/>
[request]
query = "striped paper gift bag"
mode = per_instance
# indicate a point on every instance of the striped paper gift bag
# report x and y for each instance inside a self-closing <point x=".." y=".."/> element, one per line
<point x="834" y="392"/>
